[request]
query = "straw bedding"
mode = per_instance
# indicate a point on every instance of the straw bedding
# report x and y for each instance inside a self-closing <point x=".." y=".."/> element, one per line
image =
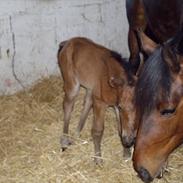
<point x="30" y="128"/>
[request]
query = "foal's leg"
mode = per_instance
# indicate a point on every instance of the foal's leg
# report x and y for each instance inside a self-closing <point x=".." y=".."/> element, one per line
<point x="98" y="128"/>
<point x="71" y="91"/>
<point x="86" y="109"/>
<point x="126" y="151"/>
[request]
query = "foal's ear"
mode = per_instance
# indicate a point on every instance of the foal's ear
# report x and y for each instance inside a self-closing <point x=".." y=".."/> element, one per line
<point x="147" y="44"/>
<point x="116" y="82"/>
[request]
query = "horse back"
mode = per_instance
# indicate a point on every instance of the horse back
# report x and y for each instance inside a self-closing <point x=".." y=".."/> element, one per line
<point x="92" y="65"/>
<point x="164" y="17"/>
<point x="87" y="58"/>
<point x="160" y="19"/>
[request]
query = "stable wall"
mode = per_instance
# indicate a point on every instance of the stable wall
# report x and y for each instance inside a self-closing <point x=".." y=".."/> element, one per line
<point x="30" y="31"/>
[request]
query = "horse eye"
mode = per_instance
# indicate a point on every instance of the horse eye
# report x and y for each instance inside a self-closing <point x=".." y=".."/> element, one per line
<point x="167" y="112"/>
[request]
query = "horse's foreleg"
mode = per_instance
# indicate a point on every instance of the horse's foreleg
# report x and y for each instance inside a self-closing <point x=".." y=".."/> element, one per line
<point x="69" y="99"/>
<point x="134" y="50"/>
<point x="98" y="128"/>
<point x="126" y="151"/>
<point x="86" y="109"/>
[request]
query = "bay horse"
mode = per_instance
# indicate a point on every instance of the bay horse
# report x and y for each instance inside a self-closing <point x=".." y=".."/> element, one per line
<point x="108" y="82"/>
<point x="159" y="105"/>
<point x="159" y="19"/>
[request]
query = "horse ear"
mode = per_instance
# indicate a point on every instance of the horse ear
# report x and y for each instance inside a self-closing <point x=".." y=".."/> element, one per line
<point x="147" y="44"/>
<point x="116" y="82"/>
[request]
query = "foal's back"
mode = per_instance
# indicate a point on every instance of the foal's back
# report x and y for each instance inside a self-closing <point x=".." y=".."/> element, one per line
<point x="87" y="62"/>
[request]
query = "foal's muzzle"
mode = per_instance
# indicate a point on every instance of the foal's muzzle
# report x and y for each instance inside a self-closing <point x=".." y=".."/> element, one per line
<point x="128" y="141"/>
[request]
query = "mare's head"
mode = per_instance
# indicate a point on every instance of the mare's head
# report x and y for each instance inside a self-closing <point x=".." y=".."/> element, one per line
<point x="158" y="96"/>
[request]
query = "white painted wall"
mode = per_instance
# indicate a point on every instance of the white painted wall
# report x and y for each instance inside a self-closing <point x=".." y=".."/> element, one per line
<point x="30" y="31"/>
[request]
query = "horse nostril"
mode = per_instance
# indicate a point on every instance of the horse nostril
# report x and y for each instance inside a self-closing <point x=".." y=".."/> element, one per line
<point x="144" y="175"/>
<point x="127" y="141"/>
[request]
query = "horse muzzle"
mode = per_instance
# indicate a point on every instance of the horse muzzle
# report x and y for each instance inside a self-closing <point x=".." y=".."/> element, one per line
<point x="144" y="175"/>
<point x="128" y="141"/>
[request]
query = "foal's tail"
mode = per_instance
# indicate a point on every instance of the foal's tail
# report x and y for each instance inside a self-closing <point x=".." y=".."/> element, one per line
<point x="61" y="45"/>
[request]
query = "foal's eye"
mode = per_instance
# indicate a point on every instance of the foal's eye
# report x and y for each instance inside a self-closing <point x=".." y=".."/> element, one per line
<point x="167" y="112"/>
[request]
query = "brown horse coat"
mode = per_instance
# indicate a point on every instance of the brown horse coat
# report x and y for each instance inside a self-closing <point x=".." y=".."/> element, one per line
<point x="105" y="76"/>
<point x="159" y="19"/>
<point x="158" y="100"/>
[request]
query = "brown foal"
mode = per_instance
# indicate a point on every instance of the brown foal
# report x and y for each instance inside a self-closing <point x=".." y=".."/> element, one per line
<point x="108" y="82"/>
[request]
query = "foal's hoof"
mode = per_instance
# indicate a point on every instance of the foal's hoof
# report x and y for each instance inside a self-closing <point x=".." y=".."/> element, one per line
<point x="98" y="161"/>
<point x="78" y="134"/>
<point x="64" y="148"/>
<point x="163" y="170"/>
<point x="161" y="174"/>
<point x="65" y="142"/>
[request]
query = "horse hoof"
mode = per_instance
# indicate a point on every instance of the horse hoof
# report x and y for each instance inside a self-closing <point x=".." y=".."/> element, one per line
<point x="160" y="174"/>
<point x="98" y="161"/>
<point x="65" y="142"/>
<point x="64" y="148"/>
<point x="78" y="134"/>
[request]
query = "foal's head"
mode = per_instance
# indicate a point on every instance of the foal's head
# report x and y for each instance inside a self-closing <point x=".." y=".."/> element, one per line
<point x="125" y="86"/>
<point x="158" y="97"/>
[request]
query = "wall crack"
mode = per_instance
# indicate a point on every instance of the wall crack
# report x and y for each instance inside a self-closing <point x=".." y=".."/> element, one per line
<point x="14" y="54"/>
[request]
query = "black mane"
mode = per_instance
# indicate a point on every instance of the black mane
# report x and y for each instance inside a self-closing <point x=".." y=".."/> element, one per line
<point x="125" y="64"/>
<point x="153" y="84"/>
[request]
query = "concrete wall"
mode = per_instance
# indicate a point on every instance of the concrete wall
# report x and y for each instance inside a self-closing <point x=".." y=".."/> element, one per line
<point x="30" y="31"/>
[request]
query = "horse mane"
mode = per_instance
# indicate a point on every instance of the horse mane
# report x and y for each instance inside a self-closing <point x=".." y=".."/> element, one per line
<point x="125" y="65"/>
<point x="153" y="85"/>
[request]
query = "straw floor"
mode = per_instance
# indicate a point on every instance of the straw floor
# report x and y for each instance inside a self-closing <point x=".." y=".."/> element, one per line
<point x="30" y="129"/>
